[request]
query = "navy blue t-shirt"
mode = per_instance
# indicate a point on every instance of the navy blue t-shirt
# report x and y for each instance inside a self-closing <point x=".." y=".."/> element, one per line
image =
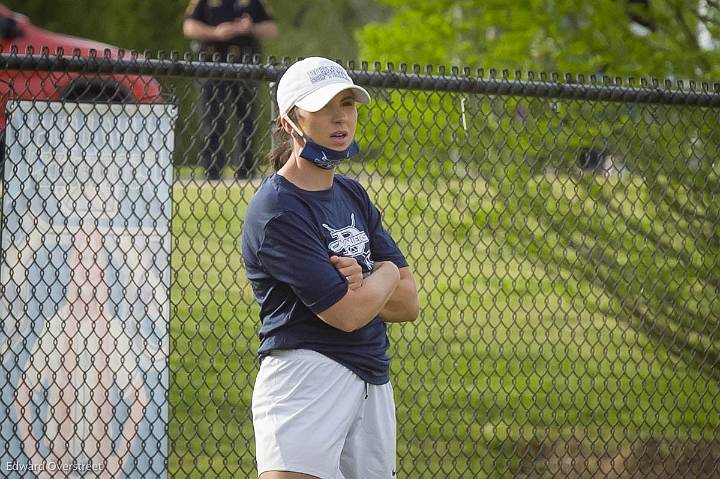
<point x="288" y="239"/>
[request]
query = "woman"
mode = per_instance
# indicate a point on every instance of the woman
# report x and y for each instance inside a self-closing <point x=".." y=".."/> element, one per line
<point x="327" y="277"/>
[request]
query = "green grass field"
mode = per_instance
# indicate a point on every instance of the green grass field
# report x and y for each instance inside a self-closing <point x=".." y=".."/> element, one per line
<point x="555" y="310"/>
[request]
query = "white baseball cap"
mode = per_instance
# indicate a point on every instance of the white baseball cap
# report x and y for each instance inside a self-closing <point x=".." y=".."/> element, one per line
<point x="311" y="83"/>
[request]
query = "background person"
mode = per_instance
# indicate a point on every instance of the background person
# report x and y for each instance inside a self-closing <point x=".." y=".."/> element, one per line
<point x="328" y="278"/>
<point x="227" y="27"/>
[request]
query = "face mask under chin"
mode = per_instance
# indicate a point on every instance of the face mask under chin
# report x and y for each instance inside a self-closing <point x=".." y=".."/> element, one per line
<point x="321" y="156"/>
<point x="327" y="158"/>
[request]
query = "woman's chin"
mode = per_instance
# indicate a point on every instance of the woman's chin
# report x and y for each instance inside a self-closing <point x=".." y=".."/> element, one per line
<point x="338" y="145"/>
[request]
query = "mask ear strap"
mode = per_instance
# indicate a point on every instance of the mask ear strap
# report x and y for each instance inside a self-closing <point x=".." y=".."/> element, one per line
<point x="295" y="127"/>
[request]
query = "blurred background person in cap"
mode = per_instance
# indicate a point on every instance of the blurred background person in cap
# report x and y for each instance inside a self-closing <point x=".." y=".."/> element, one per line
<point x="230" y="28"/>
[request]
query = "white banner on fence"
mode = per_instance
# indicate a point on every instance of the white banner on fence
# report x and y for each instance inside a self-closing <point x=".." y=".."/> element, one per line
<point x="84" y="293"/>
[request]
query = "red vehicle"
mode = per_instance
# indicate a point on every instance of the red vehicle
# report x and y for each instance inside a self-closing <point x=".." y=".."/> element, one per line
<point x="16" y="29"/>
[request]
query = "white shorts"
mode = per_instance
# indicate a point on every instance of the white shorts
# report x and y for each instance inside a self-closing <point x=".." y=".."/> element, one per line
<point x="313" y="415"/>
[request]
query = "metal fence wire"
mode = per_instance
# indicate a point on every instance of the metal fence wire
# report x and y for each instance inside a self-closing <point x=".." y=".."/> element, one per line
<point x="564" y="232"/>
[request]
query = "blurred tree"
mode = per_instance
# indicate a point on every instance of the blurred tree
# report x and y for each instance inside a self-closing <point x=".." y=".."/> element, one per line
<point x="320" y="27"/>
<point x="131" y="24"/>
<point x="627" y="38"/>
<point x="614" y="37"/>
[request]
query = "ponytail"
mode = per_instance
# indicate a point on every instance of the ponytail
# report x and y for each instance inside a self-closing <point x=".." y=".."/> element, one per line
<point x="279" y="155"/>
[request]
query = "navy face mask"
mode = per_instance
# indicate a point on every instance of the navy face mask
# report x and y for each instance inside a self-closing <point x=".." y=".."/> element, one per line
<point x="321" y="156"/>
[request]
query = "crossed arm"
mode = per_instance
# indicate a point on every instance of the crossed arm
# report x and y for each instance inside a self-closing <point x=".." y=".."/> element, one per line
<point x="197" y="30"/>
<point x="388" y="291"/>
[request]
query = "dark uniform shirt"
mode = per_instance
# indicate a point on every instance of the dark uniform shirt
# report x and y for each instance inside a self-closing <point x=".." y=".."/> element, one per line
<point x="288" y="239"/>
<point x="215" y="12"/>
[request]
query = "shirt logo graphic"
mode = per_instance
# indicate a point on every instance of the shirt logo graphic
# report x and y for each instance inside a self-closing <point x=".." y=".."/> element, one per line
<point x="350" y="241"/>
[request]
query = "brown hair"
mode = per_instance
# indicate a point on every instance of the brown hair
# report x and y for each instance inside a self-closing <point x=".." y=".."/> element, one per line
<point x="283" y="142"/>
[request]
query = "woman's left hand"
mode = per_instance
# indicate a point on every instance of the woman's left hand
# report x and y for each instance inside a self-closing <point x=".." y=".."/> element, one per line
<point x="350" y="269"/>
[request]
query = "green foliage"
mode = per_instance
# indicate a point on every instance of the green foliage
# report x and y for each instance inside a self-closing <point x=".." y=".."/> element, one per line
<point x="320" y="27"/>
<point x="545" y="35"/>
<point x="591" y="37"/>
<point x="132" y="24"/>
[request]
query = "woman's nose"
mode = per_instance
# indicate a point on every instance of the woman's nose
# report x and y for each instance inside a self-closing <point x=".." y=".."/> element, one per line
<point x="338" y="113"/>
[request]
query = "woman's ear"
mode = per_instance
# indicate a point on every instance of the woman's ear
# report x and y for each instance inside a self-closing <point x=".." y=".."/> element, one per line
<point x="294" y="134"/>
<point x="283" y="123"/>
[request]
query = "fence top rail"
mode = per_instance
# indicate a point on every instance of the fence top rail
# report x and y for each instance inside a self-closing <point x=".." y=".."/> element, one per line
<point x="541" y="85"/>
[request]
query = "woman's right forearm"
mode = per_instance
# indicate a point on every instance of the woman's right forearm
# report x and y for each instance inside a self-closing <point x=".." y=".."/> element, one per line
<point x="360" y="306"/>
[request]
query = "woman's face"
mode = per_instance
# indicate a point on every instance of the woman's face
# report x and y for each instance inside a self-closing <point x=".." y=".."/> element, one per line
<point x="334" y="126"/>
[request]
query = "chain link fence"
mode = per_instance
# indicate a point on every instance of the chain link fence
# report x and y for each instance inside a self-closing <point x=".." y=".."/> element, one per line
<point x="564" y="233"/>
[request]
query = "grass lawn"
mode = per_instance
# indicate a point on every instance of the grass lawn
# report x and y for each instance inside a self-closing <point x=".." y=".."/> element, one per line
<point x="554" y="309"/>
